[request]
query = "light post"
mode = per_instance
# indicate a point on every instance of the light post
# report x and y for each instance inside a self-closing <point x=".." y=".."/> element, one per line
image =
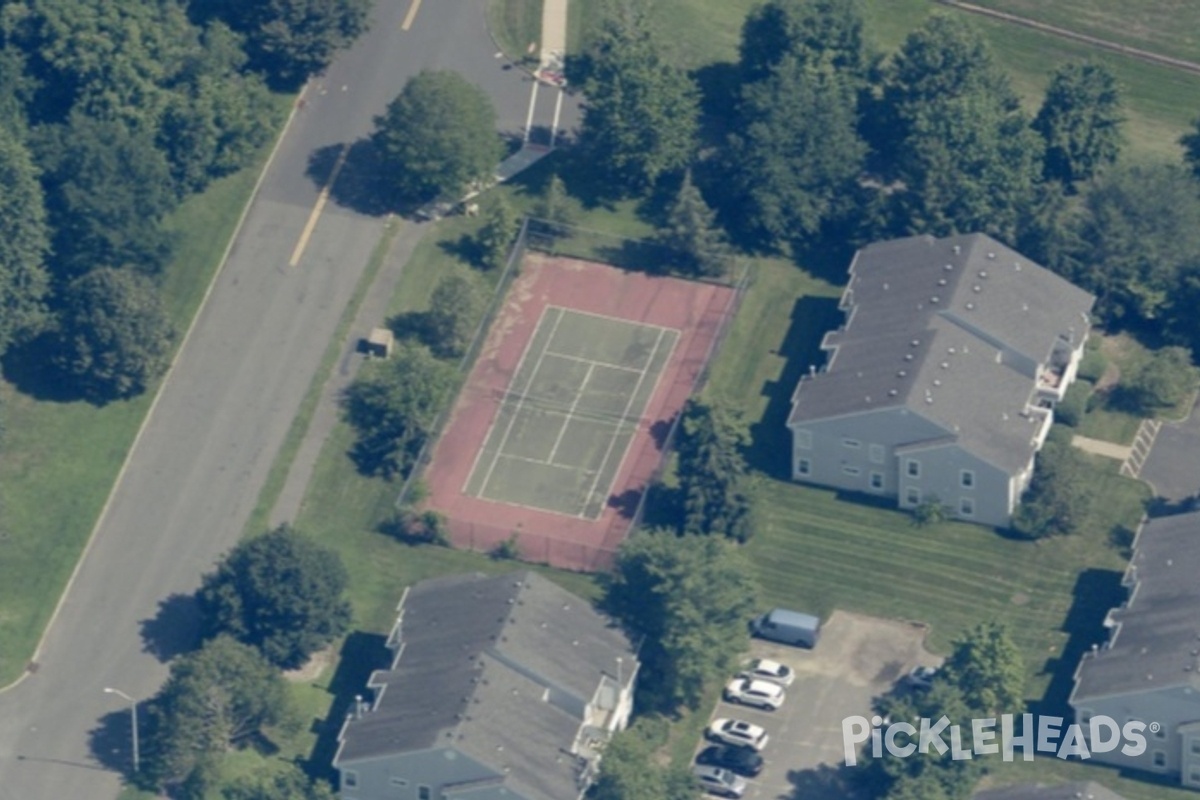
<point x="133" y="709"/>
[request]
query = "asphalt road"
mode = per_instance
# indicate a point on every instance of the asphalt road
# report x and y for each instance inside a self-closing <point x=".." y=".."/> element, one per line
<point x="204" y="454"/>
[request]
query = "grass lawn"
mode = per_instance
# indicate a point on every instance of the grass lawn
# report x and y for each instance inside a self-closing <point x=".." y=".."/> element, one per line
<point x="516" y="25"/>
<point x="60" y="459"/>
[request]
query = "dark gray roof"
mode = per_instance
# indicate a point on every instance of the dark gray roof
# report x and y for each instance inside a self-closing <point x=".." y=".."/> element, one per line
<point x="926" y="320"/>
<point x="479" y="659"/>
<point x="1156" y="641"/>
<point x="1081" y="790"/>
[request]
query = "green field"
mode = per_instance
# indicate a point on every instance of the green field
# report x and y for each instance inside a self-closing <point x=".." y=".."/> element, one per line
<point x="60" y="459"/>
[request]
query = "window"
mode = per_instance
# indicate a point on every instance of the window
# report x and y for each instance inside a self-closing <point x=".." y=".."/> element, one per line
<point x="1194" y="776"/>
<point x="912" y="497"/>
<point x="966" y="506"/>
<point x="349" y="779"/>
<point x="804" y="467"/>
<point x="913" y="468"/>
<point x="876" y="480"/>
<point x="853" y="444"/>
<point x="876" y="453"/>
<point x="967" y="479"/>
<point x="804" y="440"/>
<point x="424" y="793"/>
<point x="1084" y="715"/>
<point x="1195" y="747"/>
<point x="851" y="471"/>
<point x="1160" y="759"/>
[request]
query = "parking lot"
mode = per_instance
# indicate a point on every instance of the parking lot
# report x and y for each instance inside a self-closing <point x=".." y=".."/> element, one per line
<point x="857" y="659"/>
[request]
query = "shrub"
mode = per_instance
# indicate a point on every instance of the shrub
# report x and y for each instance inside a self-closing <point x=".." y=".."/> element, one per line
<point x="1092" y="365"/>
<point x="1074" y="404"/>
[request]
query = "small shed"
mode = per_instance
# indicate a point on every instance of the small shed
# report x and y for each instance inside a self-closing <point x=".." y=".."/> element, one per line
<point x="380" y="343"/>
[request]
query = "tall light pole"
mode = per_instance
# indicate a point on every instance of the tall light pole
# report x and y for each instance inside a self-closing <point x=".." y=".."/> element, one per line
<point x="133" y="708"/>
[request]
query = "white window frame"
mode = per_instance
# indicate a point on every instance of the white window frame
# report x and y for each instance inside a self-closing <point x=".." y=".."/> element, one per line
<point x="909" y="496"/>
<point x="876" y="453"/>
<point x="966" y="506"/>
<point x="804" y="466"/>
<point x="804" y="440"/>
<point x="912" y="468"/>
<point x="853" y="444"/>
<point x="966" y="478"/>
<point x="877" y="481"/>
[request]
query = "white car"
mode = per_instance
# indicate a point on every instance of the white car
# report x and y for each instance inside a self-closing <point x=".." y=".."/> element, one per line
<point x="749" y="692"/>
<point x="737" y="732"/>
<point x="921" y="678"/>
<point x="764" y="669"/>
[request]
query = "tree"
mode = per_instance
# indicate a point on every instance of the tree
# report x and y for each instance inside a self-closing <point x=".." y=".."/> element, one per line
<point x="641" y="117"/>
<point x="452" y="316"/>
<point x="1059" y="495"/>
<point x="688" y="598"/>
<point x="1080" y="120"/>
<point x="697" y="244"/>
<point x="438" y="137"/>
<point x="1191" y="148"/>
<point x="292" y="39"/>
<point x="629" y="770"/>
<point x="1162" y="381"/>
<point x="795" y="156"/>
<point x="289" y="784"/>
<point x="812" y="32"/>
<point x="712" y="473"/>
<point x="1134" y="238"/>
<point x="215" y="698"/>
<point x="500" y="227"/>
<point x="393" y="406"/>
<point x="24" y="242"/>
<point x="114" y="336"/>
<point x="556" y="204"/>
<point x="107" y="190"/>
<point x="280" y="592"/>
<point x="989" y="670"/>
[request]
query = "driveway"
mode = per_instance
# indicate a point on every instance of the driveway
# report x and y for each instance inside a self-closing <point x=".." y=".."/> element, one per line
<point x="857" y="659"/>
<point x="1172" y="467"/>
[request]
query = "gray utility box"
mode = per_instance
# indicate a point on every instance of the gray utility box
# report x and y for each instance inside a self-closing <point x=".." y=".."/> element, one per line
<point x="788" y="627"/>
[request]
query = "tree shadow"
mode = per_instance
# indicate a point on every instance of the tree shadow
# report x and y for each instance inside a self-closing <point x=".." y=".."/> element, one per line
<point x="111" y="741"/>
<point x="361" y="654"/>
<point x="30" y="368"/>
<point x="720" y="85"/>
<point x="801" y="345"/>
<point x="830" y="781"/>
<point x="626" y="502"/>
<point x="1096" y="592"/>
<point x="174" y="630"/>
<point x="464" y="248"/>
<point x="360" y="183"/>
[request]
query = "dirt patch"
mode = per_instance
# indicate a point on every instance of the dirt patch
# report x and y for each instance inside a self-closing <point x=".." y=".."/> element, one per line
<point x="312" y="669"/>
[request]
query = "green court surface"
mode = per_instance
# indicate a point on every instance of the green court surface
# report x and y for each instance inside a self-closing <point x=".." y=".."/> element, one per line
<point x="570" y="412"/>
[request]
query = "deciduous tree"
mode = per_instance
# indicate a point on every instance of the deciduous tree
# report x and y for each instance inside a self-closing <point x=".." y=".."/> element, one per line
<point x="281" y="593"/>
<point x="1162" y="381"/>
<point x="641" y="117"/>
<point x="989" y="670"/>
<point x="393" y="406"/>
<point x="690" y="598"/>
<point x="811" y="32"/>
<point x="1191" y="148"/>
<point x="452" y="316"/>
<point x="500" y="226"/>
<point x="24" y="242"/>
<point x="1059" y="495"/>
<point x="438" y="137"/>
<point x="114" y="336"/>
<point x="215" y="699"/>
<point x="1080" y="120"/>
<point x="288" y="784"/>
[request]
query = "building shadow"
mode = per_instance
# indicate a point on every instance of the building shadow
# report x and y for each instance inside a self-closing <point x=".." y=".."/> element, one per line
<point x="361" y="654"/>
<point x="174" y="630"/>
<point x="1096" y="591"/>
<point x="800" y="345"/>
<point x="360" y="183"/>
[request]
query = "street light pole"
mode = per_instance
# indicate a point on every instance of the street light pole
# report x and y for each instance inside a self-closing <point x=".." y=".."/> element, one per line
<point x="133" y="709"/>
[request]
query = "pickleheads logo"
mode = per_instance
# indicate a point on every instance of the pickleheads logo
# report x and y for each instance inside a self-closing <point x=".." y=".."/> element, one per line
<point x="1042" y="735"/>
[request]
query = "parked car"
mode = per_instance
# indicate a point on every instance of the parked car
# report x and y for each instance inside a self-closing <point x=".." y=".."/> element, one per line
<point x="717" y="780"/>
<point x="760" y="694"/>
<point x="741" y="760"/>
<point x="764" y="669"/>
<point x="737" y="732"/>
<point x="787" y="627"/>
<point x="920" y="678"/>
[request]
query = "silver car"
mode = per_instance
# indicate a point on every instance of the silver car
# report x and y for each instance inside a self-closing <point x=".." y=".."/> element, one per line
<point x="719" y="781"/>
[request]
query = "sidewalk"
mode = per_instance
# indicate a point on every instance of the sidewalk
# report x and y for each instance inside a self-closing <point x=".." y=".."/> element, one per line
<point x="554" y="37"/>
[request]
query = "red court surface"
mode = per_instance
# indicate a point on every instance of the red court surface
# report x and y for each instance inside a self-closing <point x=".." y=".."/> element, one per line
<point x="696" y="310"/>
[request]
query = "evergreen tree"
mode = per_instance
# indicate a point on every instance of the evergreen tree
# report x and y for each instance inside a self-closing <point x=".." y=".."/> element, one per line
<point x="500" y="226"/>
<point x="24" y="243"/>
<point x="1080" y="120"/>
<point x="712" y="473"/>
<point x="697" y="244"/>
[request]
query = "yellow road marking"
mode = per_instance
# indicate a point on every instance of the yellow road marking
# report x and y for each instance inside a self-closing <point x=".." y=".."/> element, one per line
<point x="412" y="14"/>
<point x="316" y="212"/>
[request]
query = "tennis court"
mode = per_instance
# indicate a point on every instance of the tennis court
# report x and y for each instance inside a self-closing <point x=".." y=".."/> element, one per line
<point x="569" y="413"/>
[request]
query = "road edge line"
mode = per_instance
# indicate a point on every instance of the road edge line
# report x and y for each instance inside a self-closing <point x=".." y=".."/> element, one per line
<point x="87" y="547"/>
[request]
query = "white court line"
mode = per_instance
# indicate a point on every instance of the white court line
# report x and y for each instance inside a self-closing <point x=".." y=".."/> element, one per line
<point x="517" y="411"/>
<point x="529" y="116"/>
<point x="540" y="463"/>
<point x="570" y="412"/>
<point x="593" y="362"/>
<point x="617" y="434"/>
<point x="622" y="320"/>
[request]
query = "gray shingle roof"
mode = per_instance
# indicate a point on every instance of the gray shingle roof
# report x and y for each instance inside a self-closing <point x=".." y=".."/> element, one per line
<point x="1081" y="790"/>
<point x="926" y="321"/>
<point x="479" y="654"/>
<point x="1157" y="644"/>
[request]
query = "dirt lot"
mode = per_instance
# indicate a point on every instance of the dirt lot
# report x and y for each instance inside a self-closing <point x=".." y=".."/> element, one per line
<point x="857" y="659"/>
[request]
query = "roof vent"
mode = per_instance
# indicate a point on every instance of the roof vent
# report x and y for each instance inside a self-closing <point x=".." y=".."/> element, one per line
<point x="885" y="286"/>
<point x="957" y="249"/>
<point x="970" y="306"/>
<point x="915" y="342"/>
<point x="1170" y="562"/>
<point x="908" y="356"/>
<point x="937" y="382"/>
<point x="991" y="255"/>
<point x="901" y="374"/>
<point x="1017" y="266"/>
<point x="1024" y="306"/>
<point x="929" y="399"/>
<point x="892" y="393"/>
<point x="983" y="273"/>
<point x="977" y="288"/>
<point x="935" y="299"/>
<point x="951" y="350"/>
<point x="948" y="267"/>
<point x="941" y="281"/>
<point x="945" y="365"/>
